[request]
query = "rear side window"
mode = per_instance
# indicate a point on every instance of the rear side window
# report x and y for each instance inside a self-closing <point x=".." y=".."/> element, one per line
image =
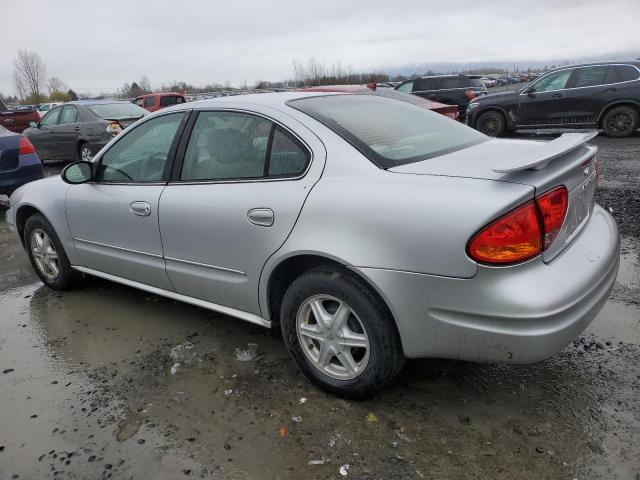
<point x="422" y="84"/>
<point x="453" y="82"/>
<point x="149" y="101"/>
<point x="69" y="115"/>
<point x="167" y="100"/>
<point x="138" y="101"/>
<point x="628" y="73"/>
<point x="235" y="145"/>
<point x="590" y="76"/>
<point x="388" y="132"/>
<point x="476" y="82"/>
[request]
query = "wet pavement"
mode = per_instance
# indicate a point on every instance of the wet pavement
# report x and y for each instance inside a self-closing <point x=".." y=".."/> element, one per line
<point x="110" y="382"/>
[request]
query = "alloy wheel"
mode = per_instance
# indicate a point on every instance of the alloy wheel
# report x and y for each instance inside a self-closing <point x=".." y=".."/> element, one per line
<point x="332" y="337"/>
<point x="85" y="153"/>
<point x="621" y="122"/>
<point x="44" y="254"/>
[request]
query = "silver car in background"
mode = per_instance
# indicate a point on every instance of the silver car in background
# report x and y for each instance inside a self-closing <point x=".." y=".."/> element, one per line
<point x="369" y="229"/>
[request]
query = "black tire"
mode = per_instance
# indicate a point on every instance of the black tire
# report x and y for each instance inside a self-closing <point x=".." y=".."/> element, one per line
<point x="66" y="278"/>
<point x="621" y="122"/>
<point x="491" y="123"/>
<point x="386" y="357"/>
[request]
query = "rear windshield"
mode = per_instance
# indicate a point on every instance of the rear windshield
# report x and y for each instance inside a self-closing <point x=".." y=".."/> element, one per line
<point x="476" y="82"/>
<point x="388" y="132"/>
<point x="113" y="111"/>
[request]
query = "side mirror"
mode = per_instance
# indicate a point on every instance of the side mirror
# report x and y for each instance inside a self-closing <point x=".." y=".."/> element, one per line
<point x="33" y="124"/>
<point x="530" y="91"/>
<point x="78" y="172"/>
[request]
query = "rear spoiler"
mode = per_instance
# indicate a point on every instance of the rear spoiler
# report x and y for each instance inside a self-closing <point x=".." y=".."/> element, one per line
<point x="539" y="158"/>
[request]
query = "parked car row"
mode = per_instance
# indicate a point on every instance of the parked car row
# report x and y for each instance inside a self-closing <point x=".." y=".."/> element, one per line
<point x="19" y="163"/>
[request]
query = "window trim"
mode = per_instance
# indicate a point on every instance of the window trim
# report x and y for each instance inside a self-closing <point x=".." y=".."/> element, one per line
<point x="186" y="135"/>
<point x="48" y="125"/>
<point x="171" y="156"/>
<point x="574" y="67"/>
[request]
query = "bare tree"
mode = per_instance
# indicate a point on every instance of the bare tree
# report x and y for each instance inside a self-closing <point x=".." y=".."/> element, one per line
<point x="56" y="85"/>
<point x="30" y="73"/>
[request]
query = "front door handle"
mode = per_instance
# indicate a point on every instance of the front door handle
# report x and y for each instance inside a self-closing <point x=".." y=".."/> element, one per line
<point x="261" y="216"/>
<point x="142" y="209"/>
<point x="556" y="95"/>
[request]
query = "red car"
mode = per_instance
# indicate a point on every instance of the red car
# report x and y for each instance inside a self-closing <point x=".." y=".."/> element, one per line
<point x="17" y="120"/>
<point x="156" y="101"/>
<point x="450" y="111"/>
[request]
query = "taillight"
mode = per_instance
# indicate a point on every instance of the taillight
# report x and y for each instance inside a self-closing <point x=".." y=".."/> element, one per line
<point x="514" y="237"/>
<point x="522" y="233"/>
<point x="553" y="208"/>
<point x="25" y="146"/>
<point x="470" y="94"/>
<point x="597" y="165"/>
<point x="114" y="128"/>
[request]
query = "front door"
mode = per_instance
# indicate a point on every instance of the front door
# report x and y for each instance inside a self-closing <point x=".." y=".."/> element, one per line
<point x="43" y="138"/>
<point x="114" y="220"/>
<point x="545" y="104"/>
<point x="241" y="187"/>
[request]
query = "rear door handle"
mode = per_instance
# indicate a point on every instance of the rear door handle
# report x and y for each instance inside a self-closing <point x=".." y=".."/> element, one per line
<point x="142" y="209"/>
<point x="77" y="129"/>
<point x="263" y="217"/>
<point x="556" y="95"/>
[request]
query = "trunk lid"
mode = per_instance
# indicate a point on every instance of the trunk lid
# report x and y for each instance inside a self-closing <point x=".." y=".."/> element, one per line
<point x="544" y="165"/>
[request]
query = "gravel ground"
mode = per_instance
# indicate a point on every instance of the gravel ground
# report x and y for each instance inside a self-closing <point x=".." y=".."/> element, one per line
<point x="90" y="388"/>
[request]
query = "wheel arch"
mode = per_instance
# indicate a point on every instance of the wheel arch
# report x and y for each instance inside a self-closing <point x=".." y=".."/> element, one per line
<point x="618" y="103"/>
<point x="283" y="273"/>
<point x="22" y="215"/>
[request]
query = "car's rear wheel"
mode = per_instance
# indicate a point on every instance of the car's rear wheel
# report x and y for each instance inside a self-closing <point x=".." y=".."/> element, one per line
<point x="491" y="123"/>
<point x="84" y="152"/>
<point x="46" y="254"/>
<point x="339" y="333"/>
<point x="620" y="122"/>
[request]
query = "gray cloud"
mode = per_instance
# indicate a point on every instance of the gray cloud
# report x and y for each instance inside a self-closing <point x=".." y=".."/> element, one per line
<point x="97" y="46"/>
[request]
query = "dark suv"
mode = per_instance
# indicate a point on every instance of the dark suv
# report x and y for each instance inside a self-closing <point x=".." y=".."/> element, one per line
<point x="603" y="95"/>
<point x="450" y="89"/>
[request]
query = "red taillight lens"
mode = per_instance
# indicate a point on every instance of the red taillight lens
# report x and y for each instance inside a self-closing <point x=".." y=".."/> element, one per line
<point x="470" y="95"/>
<point x="25" y="147"/>
<point x="553" y="208"/>
<point x="512" y="238"/>
<point x="114" y="128"/>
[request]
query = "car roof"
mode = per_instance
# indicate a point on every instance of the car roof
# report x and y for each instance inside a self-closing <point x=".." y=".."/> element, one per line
<point x="271" y="99"/>
<point x="95" y="102"/>
<point x="635" y="63"/>
<point x="160" y="94"/>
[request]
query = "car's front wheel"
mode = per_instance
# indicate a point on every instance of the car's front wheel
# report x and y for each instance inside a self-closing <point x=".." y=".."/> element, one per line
<point x="84" y="152"/>
<point x="339" y="333"/>
<point x="620" y="122"/>
<point x="491" y="123"/>
<point x="46" y="254"/>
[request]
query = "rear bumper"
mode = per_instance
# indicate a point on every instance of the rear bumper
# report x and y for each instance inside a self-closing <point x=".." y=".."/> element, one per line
<point x="518" y="314"/>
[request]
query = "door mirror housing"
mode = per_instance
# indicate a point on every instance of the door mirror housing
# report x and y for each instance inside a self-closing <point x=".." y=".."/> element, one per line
<point x="33" y="124"/>
<point x="530" y="90"/>
<point x="78" y="172"/>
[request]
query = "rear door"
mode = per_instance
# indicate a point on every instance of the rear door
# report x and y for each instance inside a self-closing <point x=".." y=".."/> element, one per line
<point x="234" y="201"/>
<point x="114" y="220"/>
<point x="590" y="90"/>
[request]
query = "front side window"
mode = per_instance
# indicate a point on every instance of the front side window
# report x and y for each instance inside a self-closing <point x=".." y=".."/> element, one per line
<point x="140" y="155"/>
<point x="69" y="115"/>
<point x="406" y="87"/>
<point x="51" y="118"/>
<point x="553" y="81"/>
<point x="388" y="132"/>
<point x="167" y="100"/>
<point x="423" y="84"/>
<point x="138" y="101"/>
<point x="590" y="76"/>
<point x="45" y="108"/>
<point x="453" y="82"/>
<point x="235" y="145"/>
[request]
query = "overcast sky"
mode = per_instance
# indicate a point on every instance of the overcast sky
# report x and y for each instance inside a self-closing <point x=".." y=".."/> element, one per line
<point x="97" y="46"/>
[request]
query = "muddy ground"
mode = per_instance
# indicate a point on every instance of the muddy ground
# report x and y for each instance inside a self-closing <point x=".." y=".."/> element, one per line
<point x="87" y="389"/>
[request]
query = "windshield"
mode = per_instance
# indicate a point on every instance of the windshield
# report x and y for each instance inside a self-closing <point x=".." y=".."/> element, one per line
<point x="388" y="132"/>
<point x="112" y="111"/>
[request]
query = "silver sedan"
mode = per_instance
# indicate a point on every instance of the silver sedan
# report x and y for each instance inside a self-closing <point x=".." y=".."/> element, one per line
<point x="369" y="229"/>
